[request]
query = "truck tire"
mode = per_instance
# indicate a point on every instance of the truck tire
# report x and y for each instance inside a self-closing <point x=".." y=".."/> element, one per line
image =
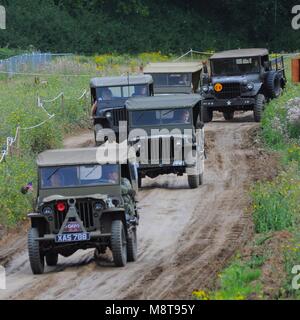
<point x="273" y="84"/>
<point x="132" y="247"/>
<point x="228" y="115"/>
<point x="258" y="108"/>
<point x="193" y="181"/>
<point x="207" y="114"/>
<point x="36" y="257"/>
<point x="118" y="243"/>
<point x="201" y="179"/>
<point x="139" y="181"/>
<point x="51" y="259"/>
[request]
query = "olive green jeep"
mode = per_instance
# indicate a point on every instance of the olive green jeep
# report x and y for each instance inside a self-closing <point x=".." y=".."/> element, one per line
<point x="82" y="203"/>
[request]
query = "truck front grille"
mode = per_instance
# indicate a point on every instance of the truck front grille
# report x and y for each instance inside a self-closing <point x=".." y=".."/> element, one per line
<point x="230" y="90"/>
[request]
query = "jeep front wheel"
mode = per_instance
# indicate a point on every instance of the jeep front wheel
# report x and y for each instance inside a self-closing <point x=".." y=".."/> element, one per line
<point x="51" y="259"/>
<point x="228" y="115"/>
<point x="259" y="107"/>
<point x="118" y="243"/>
<point x="193" y="181"/>
<point x="132" y="246"/>
<point x="36" y="257"/>
<point x="207" y="114"/>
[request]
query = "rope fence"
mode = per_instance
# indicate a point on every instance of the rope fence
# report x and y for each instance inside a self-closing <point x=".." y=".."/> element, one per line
<point x="11" y="141"/>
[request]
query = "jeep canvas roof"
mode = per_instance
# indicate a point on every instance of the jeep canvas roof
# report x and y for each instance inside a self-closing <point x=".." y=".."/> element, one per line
<point x="163" y="102"/>
<point x="120" y="81"/>
<point x="65" y="157"/>
<point x="240" y="53"/>
<point x="173" y="67"/>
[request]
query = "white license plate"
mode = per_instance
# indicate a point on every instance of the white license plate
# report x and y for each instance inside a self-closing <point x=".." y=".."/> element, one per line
<point x="72" y="237"/>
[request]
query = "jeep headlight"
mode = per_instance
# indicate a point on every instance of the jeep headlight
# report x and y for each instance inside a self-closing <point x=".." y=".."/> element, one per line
<point x="205" y="89"/>
<point x="47" y="211"/>
<point x="108" y="114"/>
<point x="250" y="86"/>
<point x="99" y="206"/>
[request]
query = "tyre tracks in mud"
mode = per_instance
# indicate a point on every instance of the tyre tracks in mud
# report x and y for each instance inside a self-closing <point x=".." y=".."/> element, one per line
<point x="185" y="236"/>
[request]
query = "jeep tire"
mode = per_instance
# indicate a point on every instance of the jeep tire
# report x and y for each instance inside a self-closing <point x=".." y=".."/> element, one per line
<point x="201" y="179"/>
<point x="132" y="246"/>
<point x="259" y="106"/>
<point x="118" y="243"/>
<point x="36" y="257"/>
<point x="273" y="84"/>
<point x="97" y="128"/>
<point x="207" y="114"/>
<point x="193" y="181"/>
<point x="228" y="115"/>
<point x="51" y="259"/>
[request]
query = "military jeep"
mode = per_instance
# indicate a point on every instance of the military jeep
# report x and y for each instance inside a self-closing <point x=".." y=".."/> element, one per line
<point x="243" y="79"/>
<point x="175" y="77"/>
<point x="80" y="205"/>
<point x="109" y="95"/>
<point x="167" y="134"/>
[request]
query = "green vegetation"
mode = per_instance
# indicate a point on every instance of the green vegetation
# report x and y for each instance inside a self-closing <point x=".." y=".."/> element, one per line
<point x="133" y="26"/>
<point x="276" y="216"/>
<point x="18" y="100"/>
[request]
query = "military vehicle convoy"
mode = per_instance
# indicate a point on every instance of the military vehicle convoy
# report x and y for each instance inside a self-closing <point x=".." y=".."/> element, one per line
<point x="167" y="132"/>
<point x="82" y="203"/>
<point x="108" y="96"/>
<point x="243" y="79"/>
<point x="175" y="77"/>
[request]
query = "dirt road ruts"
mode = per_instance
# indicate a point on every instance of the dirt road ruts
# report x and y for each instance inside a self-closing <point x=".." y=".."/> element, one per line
<point x="185" y="236"/>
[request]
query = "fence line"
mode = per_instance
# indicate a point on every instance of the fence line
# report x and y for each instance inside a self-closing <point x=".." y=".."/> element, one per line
<point x="10" y="141"/>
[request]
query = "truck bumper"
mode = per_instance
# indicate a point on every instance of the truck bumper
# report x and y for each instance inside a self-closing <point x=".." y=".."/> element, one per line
<point x="234" y="103"/>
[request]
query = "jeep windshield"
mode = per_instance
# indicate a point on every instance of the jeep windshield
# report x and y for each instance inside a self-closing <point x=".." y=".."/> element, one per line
<point x="172" y="79"/>
<point x="121" y="92"/>
<point x="161" y="117"/>
<point x="79" y="176"/>
<point x="236" y="66"/>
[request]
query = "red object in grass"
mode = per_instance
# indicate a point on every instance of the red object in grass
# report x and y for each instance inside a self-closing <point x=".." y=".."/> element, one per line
<point x="61" y="206"/>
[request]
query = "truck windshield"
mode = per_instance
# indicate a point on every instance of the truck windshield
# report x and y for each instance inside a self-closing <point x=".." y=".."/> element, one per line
<point x="234" y="66"/>
<point x="76" y="176"/>
<point x="121" y="92"/>
<point x="161" y="117"/>
<point x="172" y="79"/>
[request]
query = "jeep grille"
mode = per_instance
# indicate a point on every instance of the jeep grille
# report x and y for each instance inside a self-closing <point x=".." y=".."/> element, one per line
<point x="159" y="153"/>
<point x="85" y="212"/>
<point x="230" y="90"/>
<point x="119" y="115"/>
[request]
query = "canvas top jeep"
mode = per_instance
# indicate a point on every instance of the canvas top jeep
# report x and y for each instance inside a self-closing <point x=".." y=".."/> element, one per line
<point x="168" y="136"/>
<point x="108" y="96"/>
<point x="82" y="203"/>
<point x="175" y="77"/>
<point x="242" y="79"/>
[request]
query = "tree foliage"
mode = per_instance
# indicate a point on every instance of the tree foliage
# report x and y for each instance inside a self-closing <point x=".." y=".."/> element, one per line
<point x="99" y="26"/>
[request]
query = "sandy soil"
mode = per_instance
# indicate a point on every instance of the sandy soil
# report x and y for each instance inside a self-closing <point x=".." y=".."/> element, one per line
<point x="185" y="236"/>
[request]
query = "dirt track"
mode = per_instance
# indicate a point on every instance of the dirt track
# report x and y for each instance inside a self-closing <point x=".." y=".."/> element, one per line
<point x="185" y="236"/>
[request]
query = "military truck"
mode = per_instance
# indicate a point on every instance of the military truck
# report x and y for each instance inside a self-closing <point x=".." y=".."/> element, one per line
<point x="175" y="77"/>
<point x="108" y="96"/>
<point x="81" y="204"/>
<point x="243" y="79"/>
<point x="168" y="136"/>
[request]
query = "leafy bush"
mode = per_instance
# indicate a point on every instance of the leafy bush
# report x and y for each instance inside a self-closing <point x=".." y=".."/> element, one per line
<point x="14" y="173"/>
<point x="276" y="204"/>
